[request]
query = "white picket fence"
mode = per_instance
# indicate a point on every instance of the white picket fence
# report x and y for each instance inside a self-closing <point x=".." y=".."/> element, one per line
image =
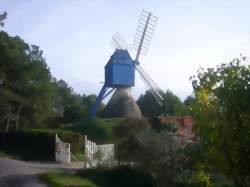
<point x="94" y="154"/>
<point x="98" y="154"/>
<point x="62" y="152"/>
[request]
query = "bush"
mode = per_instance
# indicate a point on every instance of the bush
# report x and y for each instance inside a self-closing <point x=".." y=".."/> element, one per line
<point x="76" y="140"/>
<point x="64" y="179"/>
<point x="98" y="130"/>
<point x="122" y="177"/>
<point x="28" y="145"/>
<point x="38" y="144"/>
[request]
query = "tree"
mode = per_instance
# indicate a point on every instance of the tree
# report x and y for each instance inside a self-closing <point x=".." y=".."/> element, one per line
<point x="172" y="105"/>
<point x="162" y="155"/>
<point x="69" y="106"/>
<point x="125" y="131"/>
<point x="3" y="16"/>
<point x="223" y="118"/>
<point x="189" y="102"/>
<point x="69" y="103"/>
<point x="25" y="81"/>
<point x="29" y="95"/>
<point x="89" y="100"/>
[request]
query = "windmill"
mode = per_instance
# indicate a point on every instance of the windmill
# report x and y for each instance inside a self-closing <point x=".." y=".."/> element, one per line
<point x="120" y="72"/>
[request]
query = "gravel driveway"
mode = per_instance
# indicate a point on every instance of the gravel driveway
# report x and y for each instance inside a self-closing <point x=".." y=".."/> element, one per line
<point x="15" y="173"/>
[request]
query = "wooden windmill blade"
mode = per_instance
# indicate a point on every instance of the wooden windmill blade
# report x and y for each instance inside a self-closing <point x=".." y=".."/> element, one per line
<point x="152" y="86"/>
<point x="144" y="33"/>
<point x="143" y="36"/>
<point x="117" y="42"/>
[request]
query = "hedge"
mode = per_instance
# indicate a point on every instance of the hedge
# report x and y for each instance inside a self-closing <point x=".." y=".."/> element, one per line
<point x="38" y="144"/>
<point x="28" y="145"/>
<point x="76" y="140"/>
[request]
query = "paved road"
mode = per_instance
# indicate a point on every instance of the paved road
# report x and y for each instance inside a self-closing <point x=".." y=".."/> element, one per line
<point x="15" y="173"/>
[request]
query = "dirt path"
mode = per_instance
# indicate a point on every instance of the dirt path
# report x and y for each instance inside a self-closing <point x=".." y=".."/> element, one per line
<point x="15" y="173"/>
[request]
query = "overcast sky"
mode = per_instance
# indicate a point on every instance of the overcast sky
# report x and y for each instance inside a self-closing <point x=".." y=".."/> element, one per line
<point x="75" y="37"/>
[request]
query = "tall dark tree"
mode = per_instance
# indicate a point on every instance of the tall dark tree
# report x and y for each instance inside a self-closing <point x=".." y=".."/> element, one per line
<point x="69" y="106"/>
<point x="3" y="16"/>
<point x="25" y="81"/>
<point x="89" y="100"/>
<point x="172" y="105"/>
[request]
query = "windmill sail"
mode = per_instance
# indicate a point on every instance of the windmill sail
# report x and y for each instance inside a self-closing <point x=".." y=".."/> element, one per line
<point x="153" y="87"/>
<point x="120" y="72"/>
<point x="117" y="42"/>
<point x="144" y="33"/>
<point x="143" y="36"/>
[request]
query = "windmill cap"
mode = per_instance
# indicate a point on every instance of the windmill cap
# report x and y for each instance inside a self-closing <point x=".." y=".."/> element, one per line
<point x="121" y="56"/>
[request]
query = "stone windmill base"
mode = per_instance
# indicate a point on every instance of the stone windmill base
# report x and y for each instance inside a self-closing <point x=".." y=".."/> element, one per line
<point x="122" y="104"/>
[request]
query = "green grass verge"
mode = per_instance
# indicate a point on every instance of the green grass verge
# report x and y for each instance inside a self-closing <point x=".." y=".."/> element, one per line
<point x="117" y="177"/>
<point x="3" y="154"/>
<point x="65" y="179"/>
<point x="99" y="177"/>
<point x="78" y="157"/>
<point x="98" y="130"/>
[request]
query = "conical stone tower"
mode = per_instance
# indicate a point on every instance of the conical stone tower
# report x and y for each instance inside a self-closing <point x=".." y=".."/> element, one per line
<point x="122" y="104"/>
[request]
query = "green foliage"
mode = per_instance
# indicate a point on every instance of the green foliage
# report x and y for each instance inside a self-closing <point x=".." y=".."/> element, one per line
<point x="98" y="130"/>
<point x="65" y="179"/>
<point x="98" y="156"/>
<point x="99" y="177"/>
<point x="78" y="157"/>
<point x="67" y="104"/>
<point x="89" y="101"/>
<point x="189" y="102"/>
<point x="75" y="139"/>
<point x="5" y="155"/>
<point x="172" y="105"/>
<point x="222" y="113"/>
<point x="129" y="127"/>
<point x="172" y="128"/>
<point x="200" y="179"/>
<point x="29" y="95"/>
<point x="28" y="145"/>
<point x="25" y="81"/>
<point x="122" y="177"/>
<point x="156" y="150"/>
<point x="38" y="144"/>
<point x="69" y="107"/>
<point x="3" y="16"/>
<point x="158" y="126"/>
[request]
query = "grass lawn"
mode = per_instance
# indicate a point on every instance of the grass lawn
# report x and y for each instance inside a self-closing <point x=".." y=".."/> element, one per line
<point x="3" y="154"/>
<point x="65" y="179"/>
<point x="98" y="130"/>
<point x="99" y="177"/>
<point x="6" y="155"/>
<point x="77" y="157"/>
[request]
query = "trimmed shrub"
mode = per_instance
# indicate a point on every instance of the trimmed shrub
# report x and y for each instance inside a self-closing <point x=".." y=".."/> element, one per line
<point x="28" y="145"/>
<point x="76" y="140"/>
<point x="38" y="144"/>
<point x="122" y="177"/>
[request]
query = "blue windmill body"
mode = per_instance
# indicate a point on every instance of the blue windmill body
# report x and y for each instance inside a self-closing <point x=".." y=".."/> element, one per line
<point x="120" y="70"/>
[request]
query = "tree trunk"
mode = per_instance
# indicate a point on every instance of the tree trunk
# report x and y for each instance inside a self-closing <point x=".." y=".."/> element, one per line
<point x="18" y="116"/>
<point x="8" y="118"/>
<point x="118" y="156"/>
<point x="229" y="160"/>
<point x="8" y="123"/>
